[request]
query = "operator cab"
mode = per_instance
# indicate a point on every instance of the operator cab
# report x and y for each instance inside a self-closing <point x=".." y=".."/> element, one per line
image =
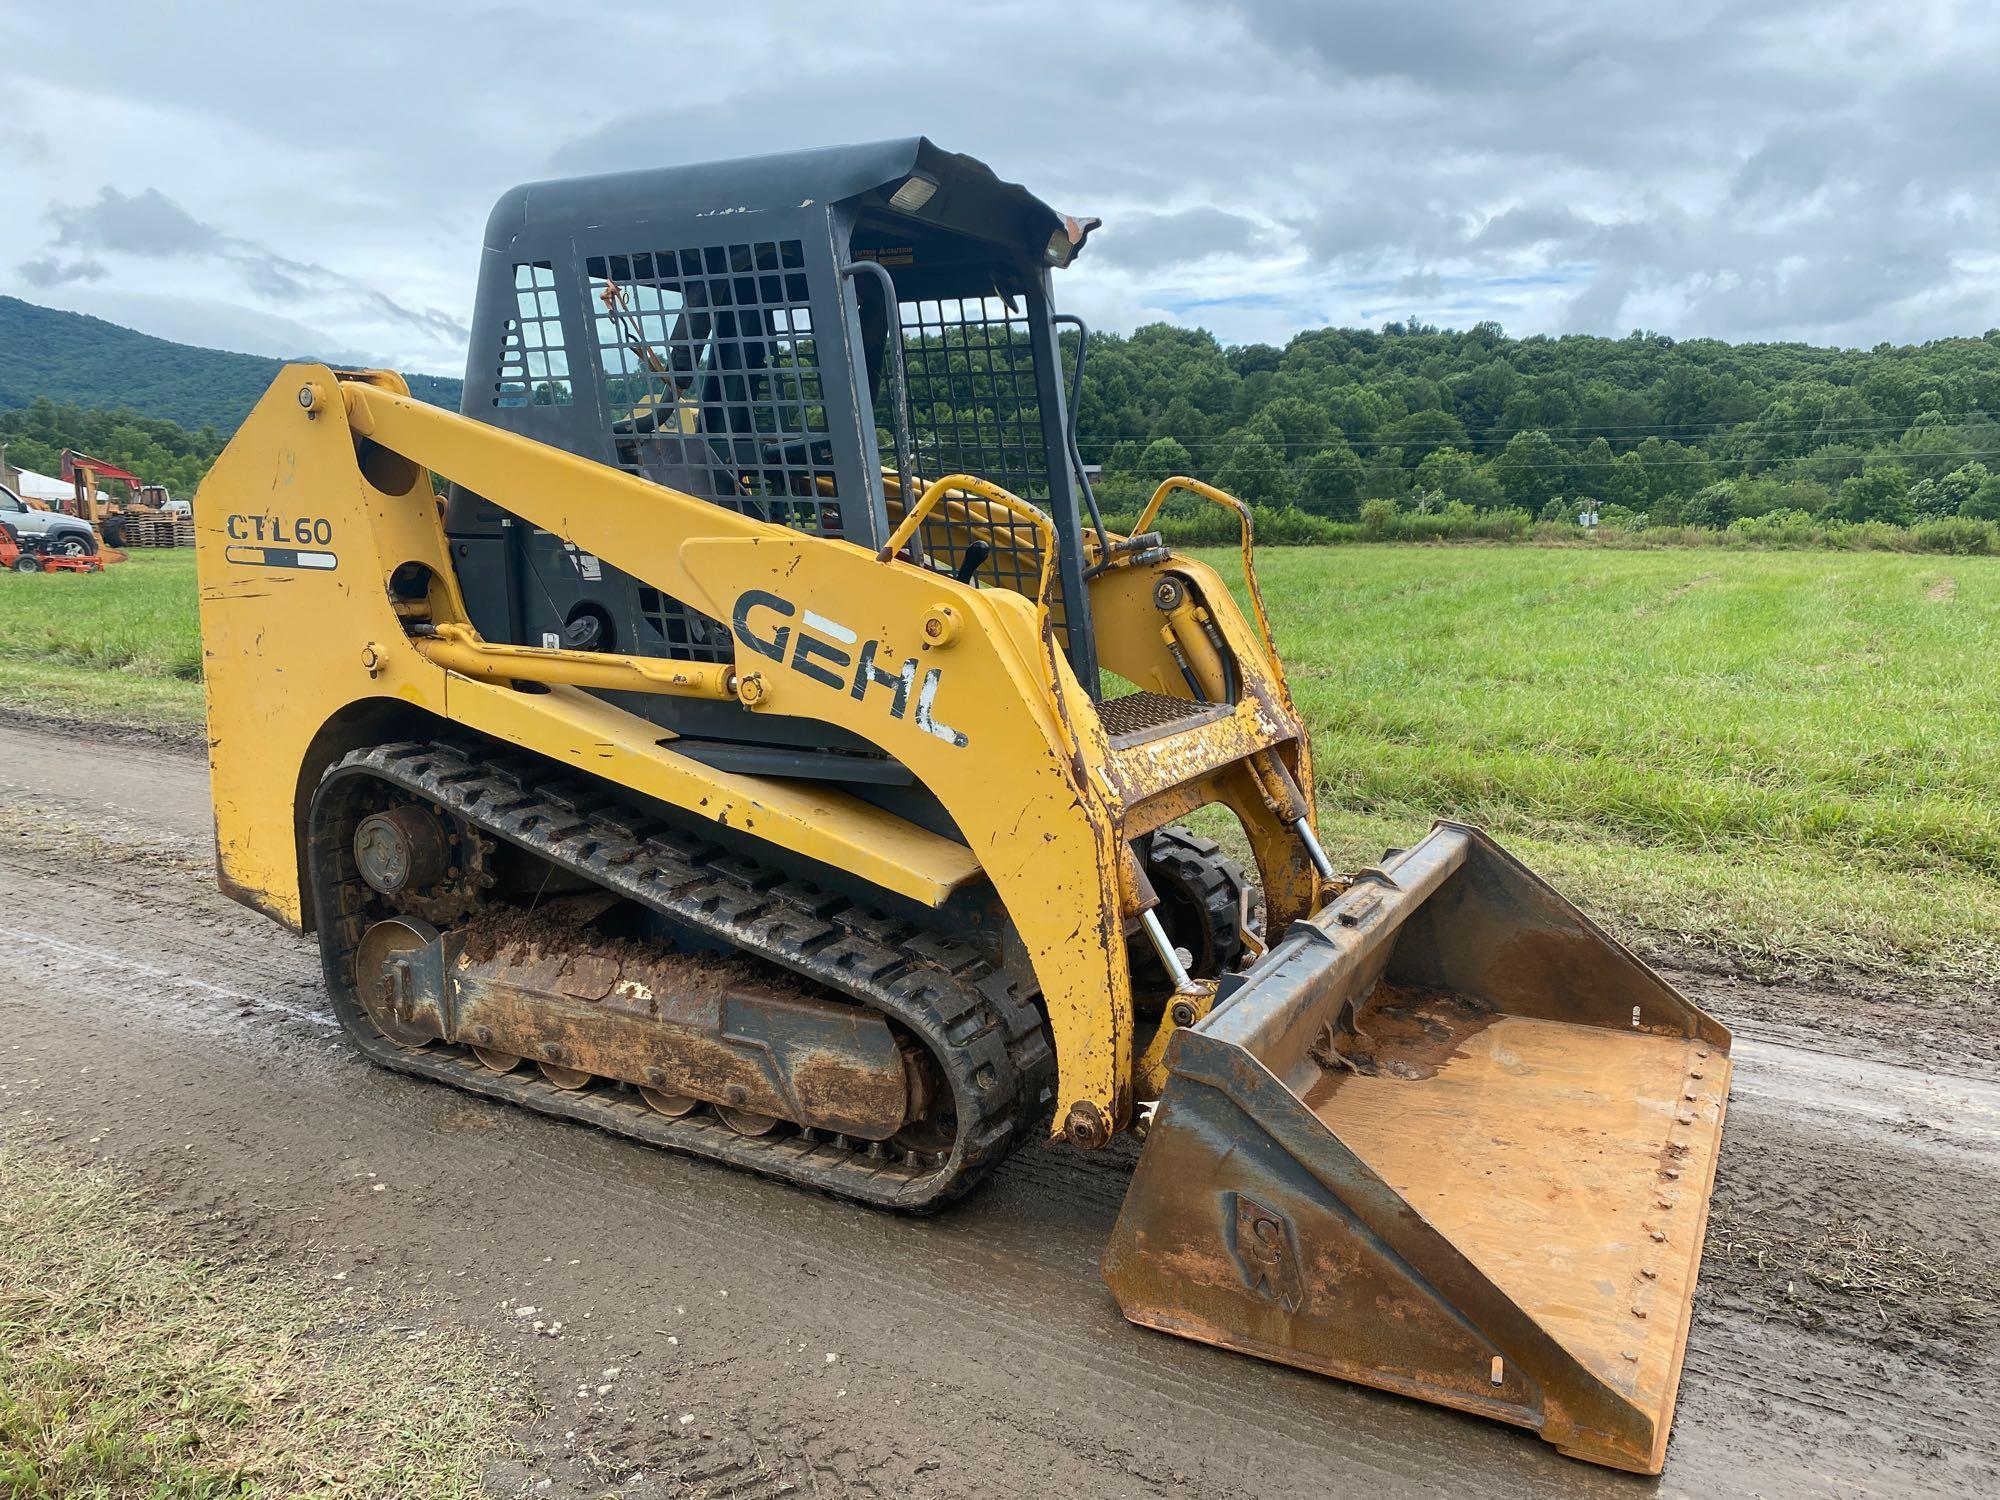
<point x="784" y="336"/>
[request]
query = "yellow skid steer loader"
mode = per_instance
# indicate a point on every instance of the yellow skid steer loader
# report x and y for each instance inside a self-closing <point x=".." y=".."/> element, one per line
<point x="738" y="729"/>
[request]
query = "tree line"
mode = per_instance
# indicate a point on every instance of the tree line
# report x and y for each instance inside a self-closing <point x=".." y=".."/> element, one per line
<point x="1411" y="420"/>
<point x="157" y="450"/>
<point x="1643" y="430"/>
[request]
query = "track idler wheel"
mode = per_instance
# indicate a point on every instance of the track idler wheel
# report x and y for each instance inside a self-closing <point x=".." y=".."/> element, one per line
<point x="672" y="1105"/>
<point x="386" y="981"/>
<point x="565" y="1078"/>
<point x="495" y="1061"/>
<point x="746" y="1121"/>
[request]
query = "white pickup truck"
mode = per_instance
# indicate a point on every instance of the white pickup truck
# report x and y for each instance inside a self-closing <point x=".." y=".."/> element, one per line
<point x="61" y="534"/>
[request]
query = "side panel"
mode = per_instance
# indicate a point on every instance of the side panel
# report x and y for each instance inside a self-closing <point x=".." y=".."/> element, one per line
<point x="288" y="537"/>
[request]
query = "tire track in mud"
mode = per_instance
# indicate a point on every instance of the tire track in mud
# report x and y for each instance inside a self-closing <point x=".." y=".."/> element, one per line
<point x="581" y="1176"/>
<point x="977" y="1353"/>
<point x="547" y="1162"/>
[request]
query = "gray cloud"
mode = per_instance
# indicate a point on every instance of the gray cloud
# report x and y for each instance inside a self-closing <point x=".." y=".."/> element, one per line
<point x="150" y="224"/>
<point x="1817" y="169"/>
<point x="20" y="144"/>
<point x="1533" y="224"/>
<point x="1600" y="306"/>
<point x="1786" y="169"/>
<point x="1434" y="44"/>
<point x="1375" y="224"/>
<point x="1787" y="166"/>
<point x="147" y="223"/>
<point x="47" y="271"/>
<point x="1147" y="242"/>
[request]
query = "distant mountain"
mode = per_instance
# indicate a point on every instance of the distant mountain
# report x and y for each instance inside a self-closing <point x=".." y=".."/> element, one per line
<point x="72" y="357"/>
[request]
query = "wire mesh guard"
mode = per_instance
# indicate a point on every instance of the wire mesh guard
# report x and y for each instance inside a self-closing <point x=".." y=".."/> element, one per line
<point x="713" y="385"/>
<point x="975" y="409"/>
<point x="713" y="379"/>
<point x="534" y="365"/>
<point x="683" y="632"/>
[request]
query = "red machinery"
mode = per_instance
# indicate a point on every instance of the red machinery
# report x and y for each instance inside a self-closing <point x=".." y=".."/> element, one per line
<point x="31" y="556"/>
<point x="138" y="520"/>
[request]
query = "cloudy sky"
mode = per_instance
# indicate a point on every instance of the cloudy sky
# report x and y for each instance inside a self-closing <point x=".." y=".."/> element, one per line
<point x="304" y="179"/>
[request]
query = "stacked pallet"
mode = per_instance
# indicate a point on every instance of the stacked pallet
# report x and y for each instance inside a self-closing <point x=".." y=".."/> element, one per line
<point x="156" y="531"/>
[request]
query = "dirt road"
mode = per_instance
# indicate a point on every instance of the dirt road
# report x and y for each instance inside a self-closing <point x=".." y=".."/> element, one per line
<point x="709" y="1334"/>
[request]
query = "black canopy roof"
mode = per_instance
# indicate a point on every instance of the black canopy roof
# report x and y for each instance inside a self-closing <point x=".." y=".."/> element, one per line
<point x="970" y="197"/>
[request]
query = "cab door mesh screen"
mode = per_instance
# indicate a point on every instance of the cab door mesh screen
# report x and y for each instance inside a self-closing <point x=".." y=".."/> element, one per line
<point x="534" y="368"/>
<point x="713" y="383"/>
<point x="713" y="378"/>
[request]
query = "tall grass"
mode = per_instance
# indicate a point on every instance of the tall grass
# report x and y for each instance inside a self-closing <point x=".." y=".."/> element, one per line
<point x="136" y="617"/>
<point x="1786" y="753"/>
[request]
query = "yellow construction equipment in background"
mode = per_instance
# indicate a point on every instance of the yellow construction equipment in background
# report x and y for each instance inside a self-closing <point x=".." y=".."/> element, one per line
<point x="721" y="751"/>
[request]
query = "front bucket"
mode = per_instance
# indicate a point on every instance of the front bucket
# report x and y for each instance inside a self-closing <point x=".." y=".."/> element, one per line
<point x="1447" y="1138"/>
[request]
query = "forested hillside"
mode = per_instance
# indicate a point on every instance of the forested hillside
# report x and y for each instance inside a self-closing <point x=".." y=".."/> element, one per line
<point x="1696" y="432"/>
<point x="158" y="451"/>
<point x="67" y="356"/>
<point x="1640" y="431"/>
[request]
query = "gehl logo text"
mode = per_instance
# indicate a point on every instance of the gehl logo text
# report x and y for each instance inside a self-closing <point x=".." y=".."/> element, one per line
<point x="824" y="650"/>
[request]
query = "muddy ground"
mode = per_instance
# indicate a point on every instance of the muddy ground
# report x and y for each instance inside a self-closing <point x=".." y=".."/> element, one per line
<point x="693" y="1332"/>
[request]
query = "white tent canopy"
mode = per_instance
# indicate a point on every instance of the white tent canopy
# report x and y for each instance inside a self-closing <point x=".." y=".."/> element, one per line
<point x="49" y="491"/>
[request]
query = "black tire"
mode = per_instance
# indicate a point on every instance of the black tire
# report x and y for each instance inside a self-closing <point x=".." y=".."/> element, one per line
<point x="1201" y="899"/>
<point x="70" y="544"/>
<point x="27" y="562"/>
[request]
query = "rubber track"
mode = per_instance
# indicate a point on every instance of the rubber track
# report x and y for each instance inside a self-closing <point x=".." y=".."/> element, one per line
<point x="978" y="1022"/>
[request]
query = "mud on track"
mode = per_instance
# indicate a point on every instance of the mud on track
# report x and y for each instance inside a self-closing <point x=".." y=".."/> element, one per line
<point x="1846" y="1335"/>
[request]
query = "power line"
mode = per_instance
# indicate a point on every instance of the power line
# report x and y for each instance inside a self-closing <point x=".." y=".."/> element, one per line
<point x="1802" y="424"/>
<point x="1682" y="463"/>
<point x="1471" y="445"/>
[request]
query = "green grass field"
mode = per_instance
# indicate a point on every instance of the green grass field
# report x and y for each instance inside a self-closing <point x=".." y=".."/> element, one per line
<point x="1788" y="756"/>
<point x="122" y="645"/>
